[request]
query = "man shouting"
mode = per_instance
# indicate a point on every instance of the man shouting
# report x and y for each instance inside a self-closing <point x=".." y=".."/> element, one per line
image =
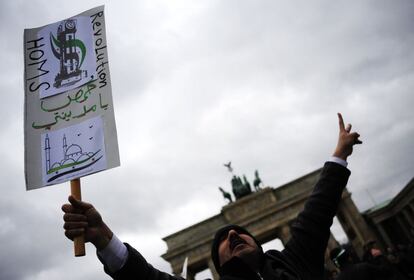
<point x="235" y="252"/>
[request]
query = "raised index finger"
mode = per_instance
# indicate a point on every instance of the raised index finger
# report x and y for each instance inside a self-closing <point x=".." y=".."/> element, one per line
<point x="341" y="122"/>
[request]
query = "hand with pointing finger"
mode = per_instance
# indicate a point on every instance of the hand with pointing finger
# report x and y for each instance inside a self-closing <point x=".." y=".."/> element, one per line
<point x="346" y="140"/>
<point x="82" y="218"/>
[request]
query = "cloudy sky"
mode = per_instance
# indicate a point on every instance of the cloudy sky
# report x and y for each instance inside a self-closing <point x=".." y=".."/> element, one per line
<point x="198" y="83"/>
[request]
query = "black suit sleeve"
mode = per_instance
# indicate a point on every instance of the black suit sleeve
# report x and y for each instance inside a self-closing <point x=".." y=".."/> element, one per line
<point x="137" y="268"/>
<point x="310" y="232"/>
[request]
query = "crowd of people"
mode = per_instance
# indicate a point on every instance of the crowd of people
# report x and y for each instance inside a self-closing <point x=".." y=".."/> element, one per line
<point x="394" y="263"/>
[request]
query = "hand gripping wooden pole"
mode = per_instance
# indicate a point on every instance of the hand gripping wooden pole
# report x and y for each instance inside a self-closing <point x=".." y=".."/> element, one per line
<point x="78" y="242"/>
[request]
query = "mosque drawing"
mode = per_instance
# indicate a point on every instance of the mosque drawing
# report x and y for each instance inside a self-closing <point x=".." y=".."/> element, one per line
<point x="73" y="159"/>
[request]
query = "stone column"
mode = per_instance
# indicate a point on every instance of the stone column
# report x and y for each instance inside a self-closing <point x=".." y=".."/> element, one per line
<point x="176" y="270"/>
<point x="284" y="234"/>
<point x="412" y="206"/>
<point x="384" y="235"/>
<point x="403" y="225"/>
<point x="213" y="270"/>
<point x="351" y="219"/>
<point x="409" y="217"/>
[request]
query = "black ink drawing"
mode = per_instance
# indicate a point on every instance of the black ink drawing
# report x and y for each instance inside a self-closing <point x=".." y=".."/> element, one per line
<point x="71" y="53"/>
<point x="74" y="159"/>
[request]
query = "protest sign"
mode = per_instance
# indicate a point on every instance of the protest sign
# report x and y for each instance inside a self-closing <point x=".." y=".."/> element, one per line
<point x="69" y="119"/>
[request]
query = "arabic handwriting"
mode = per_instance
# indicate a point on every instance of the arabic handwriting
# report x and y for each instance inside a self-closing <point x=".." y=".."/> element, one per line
<point x="85" y="111"/>
<point x="89" y="88"/>
<point x="58" y="116"/>
<point x="80" y="96"/>
<point x="64" y="116"/>
<point x="100" y="103"/>
<point x="54" y="109"/>
<point x="45" y="126"/>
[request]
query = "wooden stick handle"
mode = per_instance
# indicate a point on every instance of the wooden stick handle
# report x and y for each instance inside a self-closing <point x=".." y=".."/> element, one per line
<point x="78" y="242"/>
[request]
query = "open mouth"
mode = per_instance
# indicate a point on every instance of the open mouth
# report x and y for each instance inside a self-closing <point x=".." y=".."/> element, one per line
<point x="236" y="241"/>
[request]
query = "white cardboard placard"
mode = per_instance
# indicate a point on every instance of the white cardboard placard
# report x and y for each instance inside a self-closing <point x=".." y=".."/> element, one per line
<point x="68" y="89"/>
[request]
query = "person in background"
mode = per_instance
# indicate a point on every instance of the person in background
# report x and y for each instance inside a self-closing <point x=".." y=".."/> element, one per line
<point x="351" y="269"/>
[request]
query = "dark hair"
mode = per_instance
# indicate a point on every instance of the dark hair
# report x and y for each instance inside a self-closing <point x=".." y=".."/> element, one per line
<point x="218" y="237"/>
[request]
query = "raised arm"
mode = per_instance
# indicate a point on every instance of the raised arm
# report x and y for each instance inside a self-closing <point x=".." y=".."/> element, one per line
<point x="310" y="232"/>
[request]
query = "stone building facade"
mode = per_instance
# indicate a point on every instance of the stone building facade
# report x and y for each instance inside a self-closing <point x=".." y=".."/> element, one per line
<point x="393" y="220"/>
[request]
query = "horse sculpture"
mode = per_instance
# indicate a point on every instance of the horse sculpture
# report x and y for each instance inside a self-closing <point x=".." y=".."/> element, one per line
<point x="257" y="181"/>
<point x="226" y="195"/>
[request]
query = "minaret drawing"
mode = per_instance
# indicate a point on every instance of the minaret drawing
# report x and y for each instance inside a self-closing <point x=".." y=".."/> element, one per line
<point x="47" y="152"/>
<point x="65" y="146"/>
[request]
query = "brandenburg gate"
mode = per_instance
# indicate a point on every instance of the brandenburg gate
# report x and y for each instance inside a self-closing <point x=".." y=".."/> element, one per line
<point x="267" y="214"/>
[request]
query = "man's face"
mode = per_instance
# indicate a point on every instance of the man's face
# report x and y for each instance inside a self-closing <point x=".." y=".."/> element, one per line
<point x="240" y="245"/>
<point x="376" y="252"/>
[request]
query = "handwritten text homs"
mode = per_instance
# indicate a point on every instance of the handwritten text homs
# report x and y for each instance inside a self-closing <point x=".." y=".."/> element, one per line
<point x="36" y="59"/>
